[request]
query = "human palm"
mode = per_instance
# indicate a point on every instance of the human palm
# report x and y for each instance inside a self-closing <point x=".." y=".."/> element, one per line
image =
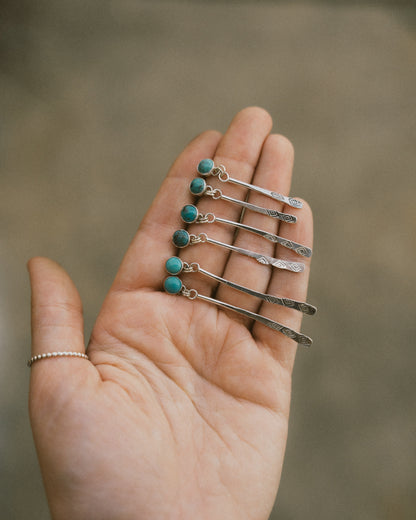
<point x="182" y="410"/>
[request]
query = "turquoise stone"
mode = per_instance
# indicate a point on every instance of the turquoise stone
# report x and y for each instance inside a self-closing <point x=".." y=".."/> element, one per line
<point x="172" y="284"/>
<point x="205" y="166"/>
<point x="181" y="238"/>
<point x="198" y="186"/>
<point x="174" y="265"/>
<point x="189" y="213"/>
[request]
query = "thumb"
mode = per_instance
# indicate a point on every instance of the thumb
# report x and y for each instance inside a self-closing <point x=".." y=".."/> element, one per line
<point x="57" y="326"/>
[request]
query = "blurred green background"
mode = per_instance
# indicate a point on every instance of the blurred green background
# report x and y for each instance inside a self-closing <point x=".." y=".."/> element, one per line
<point x="98" y="97"/>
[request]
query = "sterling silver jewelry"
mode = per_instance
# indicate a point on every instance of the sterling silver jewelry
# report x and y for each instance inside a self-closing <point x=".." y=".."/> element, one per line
<point x="190" y="214"/>
<point x="206" y="167"/>
<point x="174" y="285"/>
<point x="49" y="355"/>
<point x="175" y="266"/>
<point x="181" y="238"/>
<point x="217" y="194"/>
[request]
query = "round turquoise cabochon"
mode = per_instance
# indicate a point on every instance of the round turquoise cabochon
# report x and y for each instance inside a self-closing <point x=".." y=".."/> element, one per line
<point x="172" y="285"/>
<point x="205" y="166"/>
<point x="181" y="238"/>
<point x="197" y="186"/>
<point x="189" y="213"/>
<point x="174" y="265"/>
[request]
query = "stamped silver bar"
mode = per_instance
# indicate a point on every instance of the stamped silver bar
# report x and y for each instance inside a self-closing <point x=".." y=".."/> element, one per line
<point x="294" y="203"/>
<point x="288" y="332"/>
<point x="296" y="267"/>
<point x="173" y="285"/>
<point x="181" y="238"/>
<point x="207" y="168"/>
<point x="285" y="242"/>
<point x="306" y="308"/>
<point x="190" y="214"/>
<point x="285" y="217"/>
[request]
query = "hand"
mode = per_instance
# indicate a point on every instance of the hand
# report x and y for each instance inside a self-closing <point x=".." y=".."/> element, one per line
<point x="182" y="410"/>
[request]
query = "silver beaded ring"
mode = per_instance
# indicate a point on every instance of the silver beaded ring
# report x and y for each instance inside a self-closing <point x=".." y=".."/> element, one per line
<point x="54" y="355"/>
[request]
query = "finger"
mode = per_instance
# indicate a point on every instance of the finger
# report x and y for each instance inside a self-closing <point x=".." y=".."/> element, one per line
<point x="273" y="172"/>
<point x="143" y="264"/>
<point x="57" y="326"/>
<point x="239" y="151"/>
<point x="288" y="285"/>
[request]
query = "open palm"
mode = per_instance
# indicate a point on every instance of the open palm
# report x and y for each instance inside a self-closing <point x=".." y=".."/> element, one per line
<point x="182" y="410"/>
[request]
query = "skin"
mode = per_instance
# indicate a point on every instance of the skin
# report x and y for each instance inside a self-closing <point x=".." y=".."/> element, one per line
<point x="182" y="410"/>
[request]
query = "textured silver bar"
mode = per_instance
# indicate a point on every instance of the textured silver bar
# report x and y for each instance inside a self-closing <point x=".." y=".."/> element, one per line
<point x="290" y="333"/>
<point x="289" y="244"/>
<point x="277" y="196"/>
<point x="306" y="308"/>
<point x="285" y="217"/>
<point x="296" y="267"/>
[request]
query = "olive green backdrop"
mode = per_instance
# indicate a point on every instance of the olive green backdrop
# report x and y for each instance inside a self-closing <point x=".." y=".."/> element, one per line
<point x="96" y="100"/>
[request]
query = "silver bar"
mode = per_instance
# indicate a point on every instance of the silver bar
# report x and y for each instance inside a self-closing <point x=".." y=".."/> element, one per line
<point x="306" y="308"/>
<point x="296" y="267"/>
<point x="285" y="217"/>
<point x="290" y="333"/>
<point x="277" y="196"/>
<point x="294" y="246"/>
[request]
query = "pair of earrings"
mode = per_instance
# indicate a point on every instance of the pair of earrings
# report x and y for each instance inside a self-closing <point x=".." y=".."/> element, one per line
<point x="181" y="238"/>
